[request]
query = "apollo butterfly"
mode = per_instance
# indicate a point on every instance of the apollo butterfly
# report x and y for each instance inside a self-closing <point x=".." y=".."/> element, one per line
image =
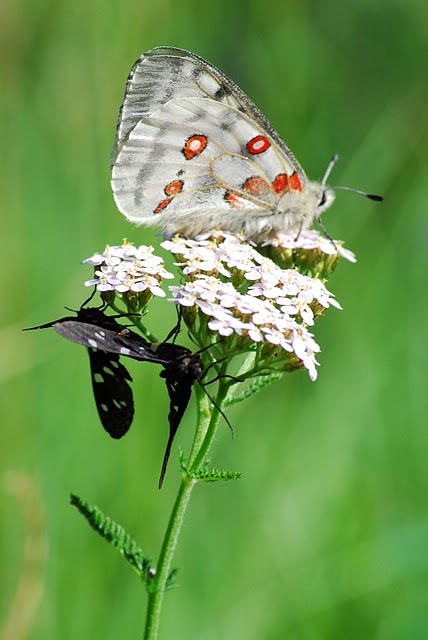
<point x="193" y="153"/>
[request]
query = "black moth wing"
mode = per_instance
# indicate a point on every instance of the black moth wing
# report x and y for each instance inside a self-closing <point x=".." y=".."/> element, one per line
<point x="106" y="340"/>
<point x="112" y="393"/>
<point x="181" y="370"/>
<point x="92" y="328"/>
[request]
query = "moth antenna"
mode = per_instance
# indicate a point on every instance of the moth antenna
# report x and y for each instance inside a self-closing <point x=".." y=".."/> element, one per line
<point x="370" y="196"/>
<point x="89" y="299"/>
<point x="329" y="169"/>
<point x="83" y="305"/>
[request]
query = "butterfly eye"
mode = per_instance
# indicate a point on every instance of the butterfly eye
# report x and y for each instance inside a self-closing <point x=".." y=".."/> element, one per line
<point x="323" y="199"/>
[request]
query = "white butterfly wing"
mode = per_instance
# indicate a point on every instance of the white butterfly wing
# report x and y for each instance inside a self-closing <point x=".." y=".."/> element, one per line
<point x="192" y="151"/>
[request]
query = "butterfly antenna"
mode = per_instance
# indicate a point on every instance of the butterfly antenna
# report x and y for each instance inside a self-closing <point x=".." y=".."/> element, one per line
<point x="329" y="169"/>
<point x="370" y="196"/>
<point x="331" y="164"/>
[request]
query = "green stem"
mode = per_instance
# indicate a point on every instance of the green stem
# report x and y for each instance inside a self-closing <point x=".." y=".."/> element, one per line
<point x="204" y="417"/>
<point x="136" y="319"/>
<point x="205" y="432"/>
<point x="163" y="570"/>
<point x="212" y="428"/>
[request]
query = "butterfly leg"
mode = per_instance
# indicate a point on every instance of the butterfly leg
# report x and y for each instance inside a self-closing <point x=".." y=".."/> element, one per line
<point x="326" y="233"/>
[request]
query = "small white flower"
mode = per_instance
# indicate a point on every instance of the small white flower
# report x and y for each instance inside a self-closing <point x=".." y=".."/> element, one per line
<point x="322" y="295"/>
<point x="96" y="259"/>
<point x="210" y="308"/>
<point x="102" y="283"/>
<point x="184" y="297"/>
<point x="254" y="333"/>
<point x="267" y="272"/>
<point x="309" y="240"/>
<point x="276" y="337"/>
<point x="263" y="317"/>
<point x="226" y="325"/>
<point x="126" y="268"/>
<point x="176" y="245"/>
<point x="268" y="305"/>
<point x="248" y="304"/>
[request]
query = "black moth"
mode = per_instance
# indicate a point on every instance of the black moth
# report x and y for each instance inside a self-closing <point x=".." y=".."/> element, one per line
<point x="106" y="340"/>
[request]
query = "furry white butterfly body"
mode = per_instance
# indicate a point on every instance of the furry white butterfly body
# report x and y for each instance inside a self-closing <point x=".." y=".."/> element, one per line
<point x="193" y="153"/>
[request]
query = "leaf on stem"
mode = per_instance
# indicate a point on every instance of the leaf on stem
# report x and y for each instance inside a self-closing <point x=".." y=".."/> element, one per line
<point x="259" y="383"/>
<point x="116" y="535"/>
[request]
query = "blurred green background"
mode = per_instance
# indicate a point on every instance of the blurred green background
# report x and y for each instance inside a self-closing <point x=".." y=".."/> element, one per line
<point x="326" y="535"/>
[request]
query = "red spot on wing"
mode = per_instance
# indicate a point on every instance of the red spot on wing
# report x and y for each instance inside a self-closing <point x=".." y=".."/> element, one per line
<point x="256" y="186"/>
<point x="162" y="205"/>
<point x="257" y="145"/>
<point x="234" y="200"/>
<point x="194" y="146"/>
<point x="294" y="182"/>
<point x="174" y="187"/>
<point x="280" y="183"/>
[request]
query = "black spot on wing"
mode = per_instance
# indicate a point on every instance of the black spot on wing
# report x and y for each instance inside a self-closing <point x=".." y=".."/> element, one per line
<point x="222" y="92"/>
<point x="112" y="393"/>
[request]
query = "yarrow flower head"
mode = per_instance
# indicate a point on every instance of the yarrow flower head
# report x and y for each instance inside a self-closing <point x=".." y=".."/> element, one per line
<point x="255" y="305"/>
<point x="135" y="273"/>
<point x="312" y="253"/>
<point x="231" y="295"/>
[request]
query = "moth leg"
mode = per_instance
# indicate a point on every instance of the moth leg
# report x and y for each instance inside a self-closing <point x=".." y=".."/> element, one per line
<point x="177" y="328"/>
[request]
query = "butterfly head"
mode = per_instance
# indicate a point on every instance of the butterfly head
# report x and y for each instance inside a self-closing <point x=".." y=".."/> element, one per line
<point x="323" y="198"/>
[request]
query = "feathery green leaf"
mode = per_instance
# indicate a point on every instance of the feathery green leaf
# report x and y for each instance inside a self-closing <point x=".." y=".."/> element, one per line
<point x="259" y="383"/>
<point x="116" y="535"/>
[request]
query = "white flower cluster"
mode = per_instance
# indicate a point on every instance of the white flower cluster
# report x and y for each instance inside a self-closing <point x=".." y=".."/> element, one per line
<point x="126" y="268"/>
<point x="309" y="240"/>
<point x="274" y="305"/>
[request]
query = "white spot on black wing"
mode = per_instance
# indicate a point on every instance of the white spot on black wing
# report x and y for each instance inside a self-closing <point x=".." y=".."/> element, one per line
<point x="109" y="371"/>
